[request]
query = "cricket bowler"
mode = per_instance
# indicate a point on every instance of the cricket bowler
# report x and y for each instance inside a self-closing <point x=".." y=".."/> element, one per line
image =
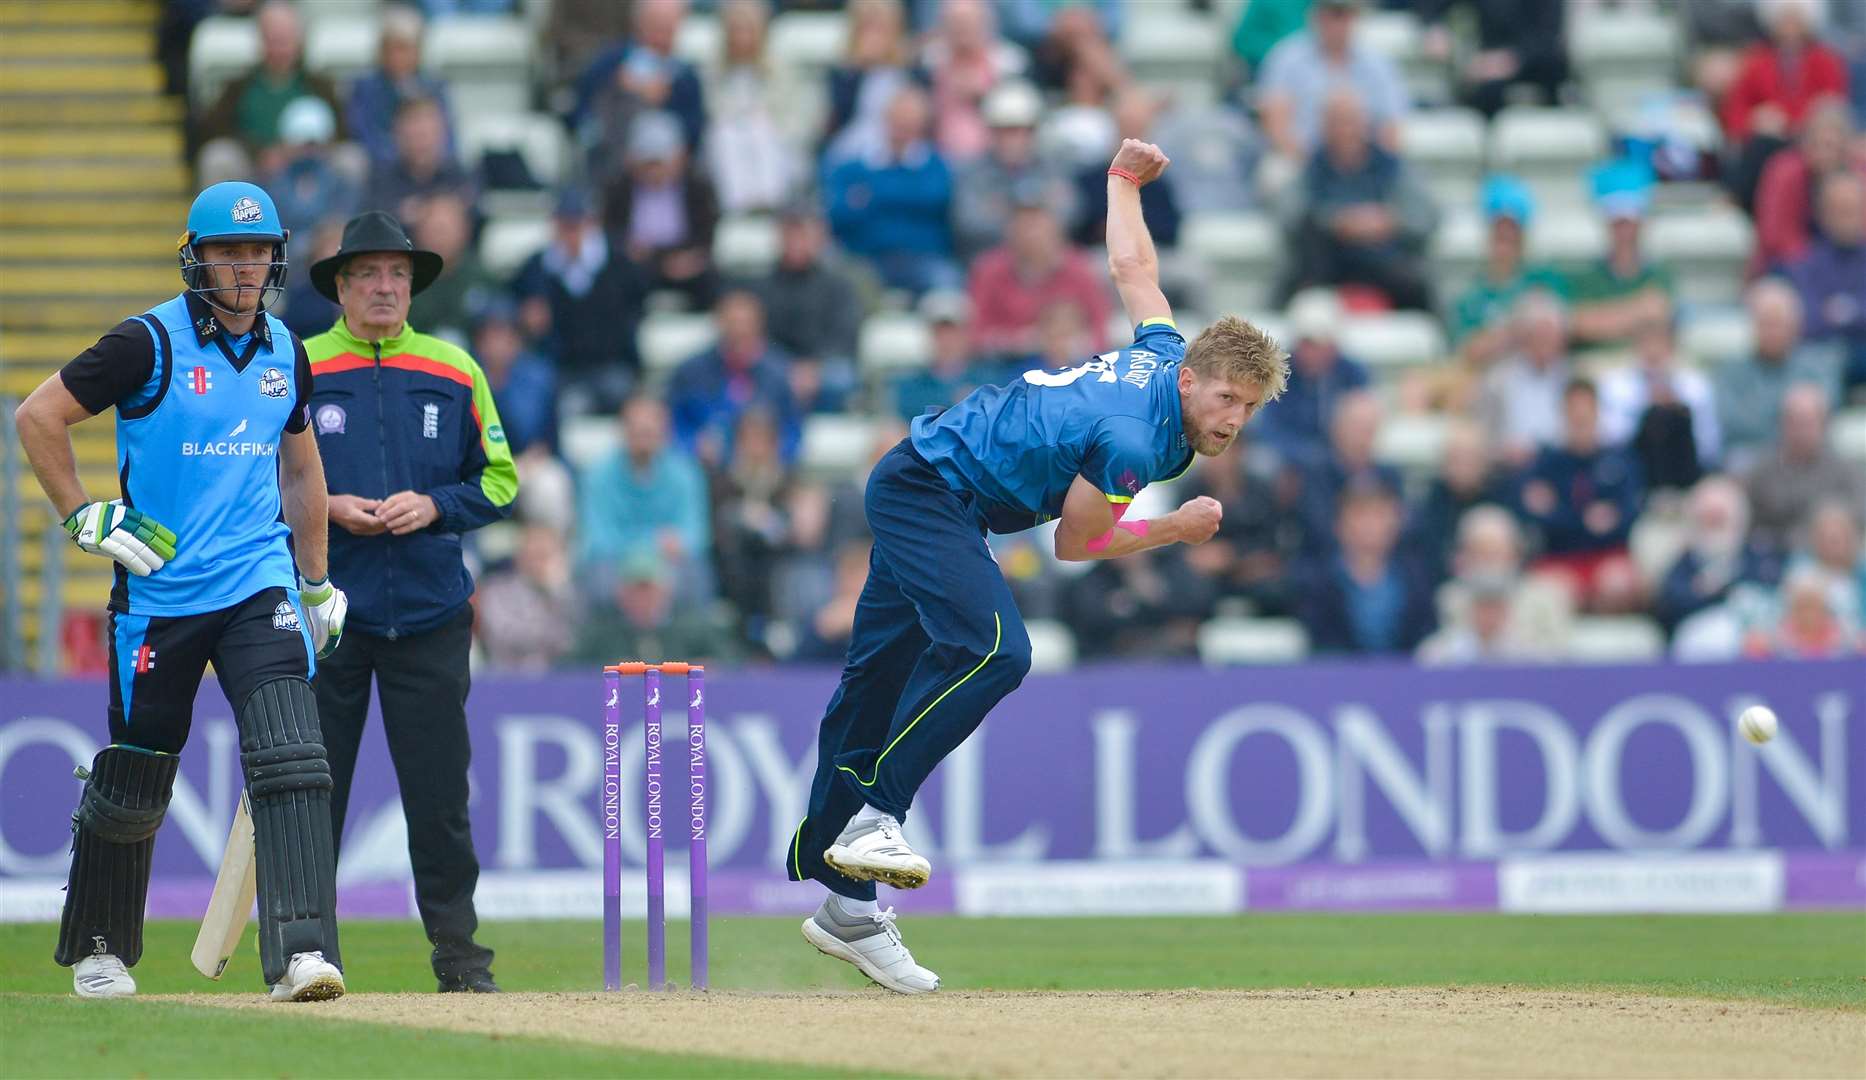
<point x="222" y="493"/>
<point x="938" y="640"/>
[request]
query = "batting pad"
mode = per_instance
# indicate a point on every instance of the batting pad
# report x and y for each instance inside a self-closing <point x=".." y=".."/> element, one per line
<point x="288" y="781"/>
<point x="113" y="845"/>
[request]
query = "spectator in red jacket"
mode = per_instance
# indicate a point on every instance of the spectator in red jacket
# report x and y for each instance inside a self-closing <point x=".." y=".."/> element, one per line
<point x="1785" y="197"/>
<point x="1012" y="285"/>
<point x="1776" y="86"/>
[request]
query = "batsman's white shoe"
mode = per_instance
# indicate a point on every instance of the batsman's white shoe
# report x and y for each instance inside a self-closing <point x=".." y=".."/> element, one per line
<point x="101" y="975"/>
<point x="309" y="977"/>
<point x="872" y="944"/>
<point x="877" y="852"/>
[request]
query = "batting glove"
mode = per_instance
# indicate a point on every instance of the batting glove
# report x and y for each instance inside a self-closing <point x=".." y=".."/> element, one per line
<point x="134" y="539"/>
<point x="326" y="606"/>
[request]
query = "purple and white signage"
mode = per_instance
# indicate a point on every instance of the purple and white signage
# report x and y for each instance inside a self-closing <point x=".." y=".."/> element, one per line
<point x="1129" y="788"/>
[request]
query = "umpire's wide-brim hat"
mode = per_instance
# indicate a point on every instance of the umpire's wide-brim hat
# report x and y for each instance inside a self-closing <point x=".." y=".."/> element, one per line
<point x="368" y="233"/>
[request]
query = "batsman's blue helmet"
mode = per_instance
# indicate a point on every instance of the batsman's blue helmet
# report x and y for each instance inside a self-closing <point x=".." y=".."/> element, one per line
<point x="233" y="210"/>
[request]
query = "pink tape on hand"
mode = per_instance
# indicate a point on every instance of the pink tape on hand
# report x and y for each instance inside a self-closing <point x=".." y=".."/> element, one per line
<point x="1100" y="543"/>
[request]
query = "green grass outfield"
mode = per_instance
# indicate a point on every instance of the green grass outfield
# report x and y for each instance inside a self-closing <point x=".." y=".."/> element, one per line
<point x="1810" y="960"/>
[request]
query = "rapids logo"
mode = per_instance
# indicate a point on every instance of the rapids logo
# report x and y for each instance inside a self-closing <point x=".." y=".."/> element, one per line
<point x="246" y="211"/>
<point x="285" y="617"/>
<point x="227" y="447"/>
<point x="272" y="383"/>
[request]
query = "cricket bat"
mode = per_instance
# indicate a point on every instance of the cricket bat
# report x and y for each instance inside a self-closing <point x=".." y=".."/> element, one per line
<point x="232" y="902"/>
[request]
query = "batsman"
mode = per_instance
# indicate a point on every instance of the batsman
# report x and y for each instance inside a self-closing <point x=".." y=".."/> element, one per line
<point x="218" y="533"/>
<point x="938" y="640"/>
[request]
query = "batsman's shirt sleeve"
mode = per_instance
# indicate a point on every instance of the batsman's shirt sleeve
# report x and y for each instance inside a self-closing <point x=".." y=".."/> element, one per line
<point x="116" y="371"/>
<point x="1121" y="458"/>
<point x="489" y="479"/>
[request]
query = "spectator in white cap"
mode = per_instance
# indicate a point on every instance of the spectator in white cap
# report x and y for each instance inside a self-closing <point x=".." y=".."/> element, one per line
<point x="378" y="94"/>
<point x="308" y="186"/>
<point x="981" y="204"/>
<point x="951" y="371"/>
<point x="663" y="211"/>
<point x="1319" y="376"/>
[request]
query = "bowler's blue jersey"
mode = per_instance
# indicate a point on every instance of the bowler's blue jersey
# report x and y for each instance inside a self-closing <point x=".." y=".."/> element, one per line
<point x="199" y="422"/>
<point x="1114" y="419"/>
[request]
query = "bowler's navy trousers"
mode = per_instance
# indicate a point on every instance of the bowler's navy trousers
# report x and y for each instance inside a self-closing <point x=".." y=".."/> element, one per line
<point x="937" y="642"/>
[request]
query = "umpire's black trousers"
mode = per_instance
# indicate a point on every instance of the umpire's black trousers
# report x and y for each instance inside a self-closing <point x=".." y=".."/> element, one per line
<point x="422" y="681"/>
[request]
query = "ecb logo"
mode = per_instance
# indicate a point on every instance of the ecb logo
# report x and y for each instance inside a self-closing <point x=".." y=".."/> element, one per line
<point x="246" y="211"/>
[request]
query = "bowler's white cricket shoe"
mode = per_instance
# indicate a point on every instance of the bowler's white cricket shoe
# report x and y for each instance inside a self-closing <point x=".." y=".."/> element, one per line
<point x="309" y="977"/>
<point x="873" y="944"/>
<point x="876" y="851"/>
<point x="101" y="975"/>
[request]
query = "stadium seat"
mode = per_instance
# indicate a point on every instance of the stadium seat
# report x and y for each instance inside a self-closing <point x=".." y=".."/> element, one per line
<point x="1717" y="335"/>
<point x="1175" y="50"/>
<point x="1447" y="146"/>
<point x="505" y="243"/>
<point x="1393" y="339"/>
<point x="1846" y="433"/>
<point x="222" y="48"/>
<point x="1396" y="35"/>
<point x="1457" y="250"/>
<point x="807" y="42"/>
<point x="1570" y="237"/>
<point x="585" y="440"/>
<point x="538" y="137"/>
<point x="1620" y="54"/>
<point x="341" y="48"/>
<point x="1551" y="149"/>
<point x="670" y="338"/>
<point x="1242" y="251"/>
<point x="1412" y="442"/>
<point x="1707" y="249"/>
<point x="486" y="60"/>
<point x="1227" y="640"/>
<point x="1615" y="639"/>
<point x="1052" y="646"/>
<point x="893" y="342"/>
<point x="835" y="444"/>
<point x="746" y="245"/>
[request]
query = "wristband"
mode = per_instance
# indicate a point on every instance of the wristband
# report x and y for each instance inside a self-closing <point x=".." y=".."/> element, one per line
<point x="1138" y="529"/>
<point x="1125" y="175"/>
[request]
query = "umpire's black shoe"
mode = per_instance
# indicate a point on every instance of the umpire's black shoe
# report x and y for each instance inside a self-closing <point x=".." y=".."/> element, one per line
<point x="470" y="982"/>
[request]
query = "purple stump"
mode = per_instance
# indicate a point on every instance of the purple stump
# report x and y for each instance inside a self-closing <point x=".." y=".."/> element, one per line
<point x="657" y="879"/>
<point x="610" y="812"/>
<point x="696" y="819"/>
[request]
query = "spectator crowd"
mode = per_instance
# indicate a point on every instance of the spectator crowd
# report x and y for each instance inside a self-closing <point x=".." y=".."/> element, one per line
<point x="1586" y="464"/>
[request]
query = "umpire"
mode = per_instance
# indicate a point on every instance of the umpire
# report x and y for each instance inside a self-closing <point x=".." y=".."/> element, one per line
<point x="414" y="456"/>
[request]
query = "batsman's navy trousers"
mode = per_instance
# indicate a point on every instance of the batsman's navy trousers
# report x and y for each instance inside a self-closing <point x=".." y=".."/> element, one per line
<point x="422" y="681"/>
<point x="937" y="642"/>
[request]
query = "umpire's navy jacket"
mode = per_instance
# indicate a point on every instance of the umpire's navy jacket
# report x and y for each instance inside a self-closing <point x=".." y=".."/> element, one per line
<point x="407" y="413"/>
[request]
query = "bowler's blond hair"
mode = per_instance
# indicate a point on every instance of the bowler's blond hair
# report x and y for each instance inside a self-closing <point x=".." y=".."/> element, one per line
<point x="1235" y="351"/>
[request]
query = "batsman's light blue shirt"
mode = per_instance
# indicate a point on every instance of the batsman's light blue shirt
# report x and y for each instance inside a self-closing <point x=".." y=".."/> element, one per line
<point x="1114" y="419"/>
<point x="197" y="449"/>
